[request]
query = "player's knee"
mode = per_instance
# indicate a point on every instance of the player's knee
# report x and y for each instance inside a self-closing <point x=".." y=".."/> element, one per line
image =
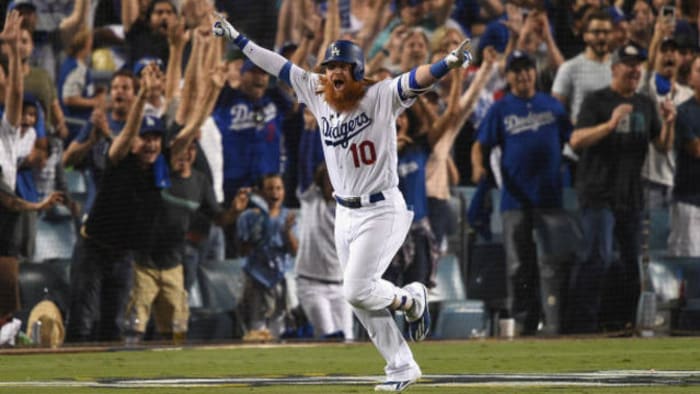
<point x="356" y="293"/>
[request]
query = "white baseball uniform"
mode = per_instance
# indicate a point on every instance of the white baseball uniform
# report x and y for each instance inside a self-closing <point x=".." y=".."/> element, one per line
<point x="319" y="274"/>
<point x="361" y="157"/>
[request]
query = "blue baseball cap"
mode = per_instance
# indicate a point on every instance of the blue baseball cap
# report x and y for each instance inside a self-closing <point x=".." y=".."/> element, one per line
<point x="616" y="15"/>
<point x="145" y="61"/>
<point x="152" y="124"/>
<point x="519" y="59"/>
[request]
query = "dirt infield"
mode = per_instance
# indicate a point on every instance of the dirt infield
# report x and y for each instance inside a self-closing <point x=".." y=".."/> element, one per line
<point x="592" y="379"/>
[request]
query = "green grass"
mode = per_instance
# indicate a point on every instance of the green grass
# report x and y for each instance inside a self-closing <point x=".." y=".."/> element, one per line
<point x="570" y="355"/>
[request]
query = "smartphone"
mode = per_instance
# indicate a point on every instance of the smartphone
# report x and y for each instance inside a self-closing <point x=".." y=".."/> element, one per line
<point x="668" y="11"/>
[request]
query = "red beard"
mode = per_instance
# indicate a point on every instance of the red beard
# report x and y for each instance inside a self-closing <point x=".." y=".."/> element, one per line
<point x="346" y="100"/>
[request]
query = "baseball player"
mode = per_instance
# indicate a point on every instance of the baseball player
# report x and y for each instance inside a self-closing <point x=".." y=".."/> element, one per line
<point x="357" y="119"/>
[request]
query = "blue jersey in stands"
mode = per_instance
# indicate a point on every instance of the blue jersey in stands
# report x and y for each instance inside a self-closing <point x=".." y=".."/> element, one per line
<point x="250" y="135"/>
<point x="411" y="168"/>
<point x="531" y="133"/>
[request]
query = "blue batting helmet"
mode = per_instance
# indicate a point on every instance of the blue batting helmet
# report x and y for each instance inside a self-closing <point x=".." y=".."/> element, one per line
<point x="347" y="52"/>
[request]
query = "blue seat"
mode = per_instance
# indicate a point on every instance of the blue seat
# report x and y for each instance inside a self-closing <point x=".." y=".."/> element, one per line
<point x="221" y="284"/>
<point x="667" y="272"/>
<point x="449" y="281"/>
<point x="460" y="320"/>
<point x="75" y="180"/>
<point x="54" y="238"/>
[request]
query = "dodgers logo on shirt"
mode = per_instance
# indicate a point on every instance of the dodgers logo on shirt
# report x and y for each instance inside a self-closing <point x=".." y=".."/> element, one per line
<point x="341" y="134"/>
<point x="515" y="124"/>
<point x="244" y="117"/>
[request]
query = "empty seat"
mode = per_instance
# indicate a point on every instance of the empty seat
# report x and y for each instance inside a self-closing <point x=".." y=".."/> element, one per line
<point x="46" y="280"/>
<point x="461" y="319"/>
<point x="54" y="239"/>
<point x="75" y="181"/>
<point x="221" y="284"/>
<point x="449" y="281"/>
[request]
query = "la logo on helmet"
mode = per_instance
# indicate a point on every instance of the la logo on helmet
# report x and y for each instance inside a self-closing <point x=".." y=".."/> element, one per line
<point x="335" y="51"/>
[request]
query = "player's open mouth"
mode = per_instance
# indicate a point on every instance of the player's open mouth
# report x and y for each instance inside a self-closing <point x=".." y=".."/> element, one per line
<point x="338" y="83"/>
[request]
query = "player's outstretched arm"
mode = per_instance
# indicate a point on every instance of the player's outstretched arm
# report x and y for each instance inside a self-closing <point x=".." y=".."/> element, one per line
<point x="421" y="78"/>
<point x="273" y="63"/>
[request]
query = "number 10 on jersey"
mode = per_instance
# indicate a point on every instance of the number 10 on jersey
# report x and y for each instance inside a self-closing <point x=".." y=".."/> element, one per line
<point x="363" y="153"/>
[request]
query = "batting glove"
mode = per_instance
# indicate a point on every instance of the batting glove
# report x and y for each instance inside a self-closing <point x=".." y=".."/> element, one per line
<point x="460" y="56"/>
<point x="222" y="28"/>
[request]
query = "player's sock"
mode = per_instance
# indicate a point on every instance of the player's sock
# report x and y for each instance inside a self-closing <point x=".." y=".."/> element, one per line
<point x="403" y="301"/>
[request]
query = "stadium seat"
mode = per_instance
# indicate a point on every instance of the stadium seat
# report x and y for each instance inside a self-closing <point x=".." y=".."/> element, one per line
<point x="668" y="273"/>
<point x="460" y="320"/>
<point x="676" y="282"/>
<point x="486" y="273"/>
<point x="449" y="281"/>
<point x="54" y="238"/>
<point x="221" y="284"/>
<point x="75" y="180"/>
<point x="46" y="280"/>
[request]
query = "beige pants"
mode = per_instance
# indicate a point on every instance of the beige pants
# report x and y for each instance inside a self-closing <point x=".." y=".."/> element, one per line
<point x="164" y="291"/>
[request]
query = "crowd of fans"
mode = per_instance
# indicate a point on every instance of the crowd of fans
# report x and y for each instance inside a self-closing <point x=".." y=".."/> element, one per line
<point x="191" y="152"/>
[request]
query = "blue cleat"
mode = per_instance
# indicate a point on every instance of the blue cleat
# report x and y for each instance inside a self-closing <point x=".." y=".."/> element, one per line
<point x="418" y="317"/>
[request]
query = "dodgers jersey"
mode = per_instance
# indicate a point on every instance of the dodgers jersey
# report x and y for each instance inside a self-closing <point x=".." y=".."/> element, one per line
<point x="250" y="135"/>
<point x="531" y="133"/>
<point x="359" y="146"/>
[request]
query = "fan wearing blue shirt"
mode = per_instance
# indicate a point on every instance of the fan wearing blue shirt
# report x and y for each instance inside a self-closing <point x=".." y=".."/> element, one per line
<point x="531" y="128"/>
<point x="251" y="127"/>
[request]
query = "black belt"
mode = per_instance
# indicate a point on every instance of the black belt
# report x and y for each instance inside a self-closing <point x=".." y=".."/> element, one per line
<point x="324" y="281"/>
<point x="356" y="202"/>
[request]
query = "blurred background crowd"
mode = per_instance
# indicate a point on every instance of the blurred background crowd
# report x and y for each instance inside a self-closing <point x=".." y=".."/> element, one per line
<point x="137" y="149"/>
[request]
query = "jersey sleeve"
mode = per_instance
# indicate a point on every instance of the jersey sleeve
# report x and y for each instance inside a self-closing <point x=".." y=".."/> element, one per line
<point x="490" y="127"/>
<point x="390" y="91"/>
<point x="305" y="84"/>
